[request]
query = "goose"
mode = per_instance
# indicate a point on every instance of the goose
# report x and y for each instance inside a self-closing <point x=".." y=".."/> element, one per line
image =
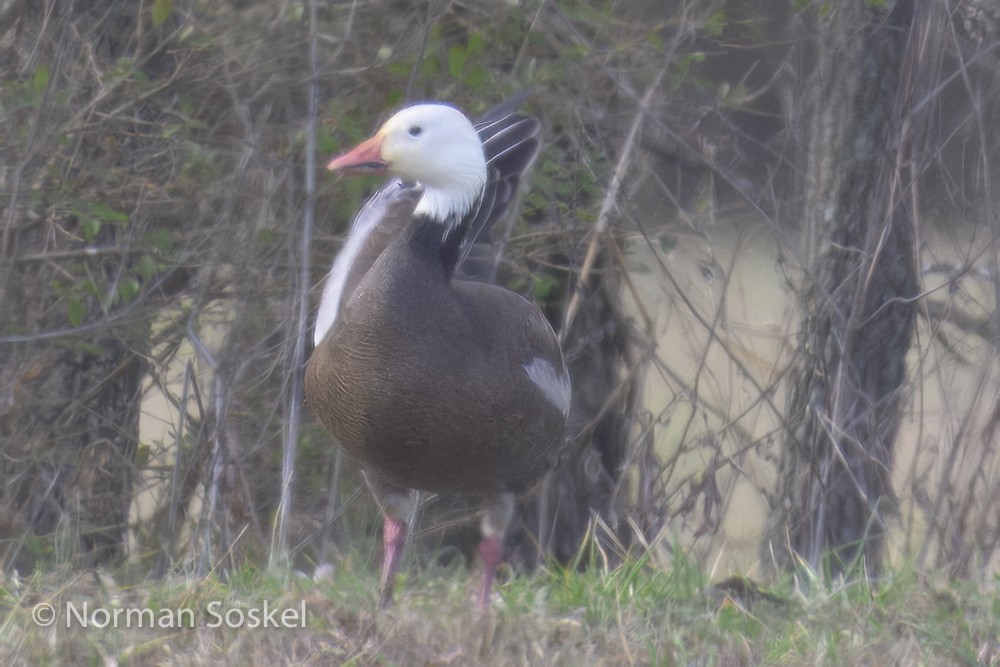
<point x="431" y="379"/>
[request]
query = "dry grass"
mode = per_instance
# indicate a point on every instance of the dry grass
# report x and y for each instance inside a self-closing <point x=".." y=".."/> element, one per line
<point x="646" y="611"/>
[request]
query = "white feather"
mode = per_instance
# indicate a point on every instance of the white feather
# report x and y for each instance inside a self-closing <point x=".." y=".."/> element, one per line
<point x="554" y="384"/>
<point x="366" y="220"/>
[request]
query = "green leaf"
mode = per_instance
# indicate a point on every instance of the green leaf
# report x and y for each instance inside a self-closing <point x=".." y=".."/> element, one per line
<point x="161" y="240"/>
<point x="161" y="10"/>
<point x="326" y="142"/>
<point x="693" y="57"/>
<point x="543" y="286"/>
<point x="146" y="268"/>
<point x="90" y="287"/>
<point x="394" y="98"/>
<point x="479" y="79"/>
<point x="716" y="23"/>
<point x="108" y="214"/>
<point x="457" y="56"/>
<point x="430" y="68"/>
<point x="127" y="289"/>
<point x="269" y="238"/>
<point x="295" y="12"/>
<point x="476" y="43"/>
<point x="143" y="454"/>
<point x="76" y="310"/>
<point x="41" y="79"/>
<point x="90" y="227"/>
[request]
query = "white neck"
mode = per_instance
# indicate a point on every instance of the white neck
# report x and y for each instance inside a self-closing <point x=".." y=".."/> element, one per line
<point x="447" y="205"/>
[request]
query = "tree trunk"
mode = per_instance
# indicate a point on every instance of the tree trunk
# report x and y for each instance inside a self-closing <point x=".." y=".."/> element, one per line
<point x="835" y="486"/>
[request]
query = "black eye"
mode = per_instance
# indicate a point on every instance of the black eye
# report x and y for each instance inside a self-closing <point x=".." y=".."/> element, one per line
<point x="415" y="130"/>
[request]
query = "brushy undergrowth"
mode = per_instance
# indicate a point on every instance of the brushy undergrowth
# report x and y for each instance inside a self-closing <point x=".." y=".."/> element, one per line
<point x="660" y="611"/>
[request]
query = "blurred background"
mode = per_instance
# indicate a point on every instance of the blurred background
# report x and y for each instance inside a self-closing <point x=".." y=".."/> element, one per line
<point x="767" y="233"/>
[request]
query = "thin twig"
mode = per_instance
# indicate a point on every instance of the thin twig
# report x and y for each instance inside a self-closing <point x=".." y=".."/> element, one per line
<point x="610" y="200"/>
<point x="279" y="550"/>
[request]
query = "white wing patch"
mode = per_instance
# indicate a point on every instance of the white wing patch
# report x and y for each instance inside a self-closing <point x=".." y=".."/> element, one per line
<point x="554" y="384"/>
<point x="366" y="220"/>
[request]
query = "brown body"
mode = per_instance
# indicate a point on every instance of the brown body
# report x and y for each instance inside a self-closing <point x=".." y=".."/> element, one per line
<point x="423" y="379"/>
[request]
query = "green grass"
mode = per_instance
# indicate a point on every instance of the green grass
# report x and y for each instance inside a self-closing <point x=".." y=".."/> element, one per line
<point x="646" y="610"/>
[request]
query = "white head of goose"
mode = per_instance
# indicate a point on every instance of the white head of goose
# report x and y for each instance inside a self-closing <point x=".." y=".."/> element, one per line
<point x="434" y="383"/>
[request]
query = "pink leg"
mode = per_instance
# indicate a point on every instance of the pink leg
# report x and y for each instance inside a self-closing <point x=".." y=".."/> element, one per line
<point x="393" y="540"/>
<point x="491" y="553"/>
<point x="495" y="520"/>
